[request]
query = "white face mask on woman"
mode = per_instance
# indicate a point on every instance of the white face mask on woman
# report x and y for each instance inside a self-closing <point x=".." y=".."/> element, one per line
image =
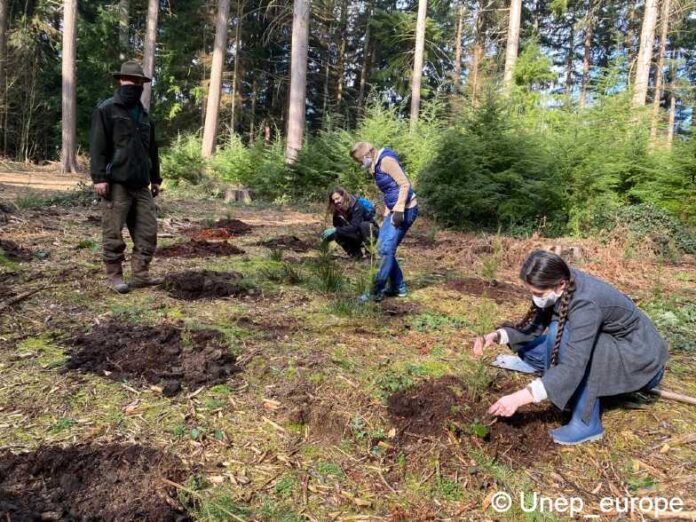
<point x="547" y="300"/>
<point x="367" y="162"/>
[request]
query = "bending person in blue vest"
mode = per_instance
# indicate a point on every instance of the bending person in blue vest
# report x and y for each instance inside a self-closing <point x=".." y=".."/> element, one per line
<point x="401" y="210"/>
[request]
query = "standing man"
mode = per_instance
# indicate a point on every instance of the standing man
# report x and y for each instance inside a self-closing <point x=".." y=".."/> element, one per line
<point x="124" y="164"/>
<point x="401" y="210"/>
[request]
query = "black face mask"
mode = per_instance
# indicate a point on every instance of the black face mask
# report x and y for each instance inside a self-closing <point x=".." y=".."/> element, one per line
<point x="130" y="94"/>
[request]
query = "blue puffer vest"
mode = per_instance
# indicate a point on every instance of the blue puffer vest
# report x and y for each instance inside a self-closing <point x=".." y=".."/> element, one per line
<point x="386" y="183"/>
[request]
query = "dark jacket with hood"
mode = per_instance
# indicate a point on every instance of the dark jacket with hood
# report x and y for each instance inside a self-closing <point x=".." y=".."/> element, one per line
<point x="123" y="148"/>
<point x="350" y="225"/>
<point x="606" y="334"/>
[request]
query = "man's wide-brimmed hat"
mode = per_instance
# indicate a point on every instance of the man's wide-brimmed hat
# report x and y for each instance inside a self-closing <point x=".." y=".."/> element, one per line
<point x="132" y="69"/>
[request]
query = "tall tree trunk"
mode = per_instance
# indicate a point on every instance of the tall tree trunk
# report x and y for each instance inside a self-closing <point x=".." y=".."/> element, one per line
<point x="68" y="161"/>
<point x="672" y="103"/>
<point x="647" y="40"/>
<point x="587" y="53"/>
<point x="537" y="16"/>
<point x="477" y="53"/>
<point x="4" y="12"/>
<point x="123" y="12"/>
<point x="457" y="73"/>
<point x="659" y="73"/>
<point x="252" y="124"/>
<point x="149" y="50"/>
<point x="213" y="110"/>
<point x="235" y="71"/>
<point x="570" y="57"/>
<point x="298" y="79"/>
<point x="340" y="66"/>
<point x="418" y="62"/>
<point x="513" y="44"/>
<point x="365" y="68"/>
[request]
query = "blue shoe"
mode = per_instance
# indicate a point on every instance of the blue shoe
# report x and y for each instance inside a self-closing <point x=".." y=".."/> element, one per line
<point x="366" y="298"/>
<point x="402" y="291"/>
<point x="576" y="431"/>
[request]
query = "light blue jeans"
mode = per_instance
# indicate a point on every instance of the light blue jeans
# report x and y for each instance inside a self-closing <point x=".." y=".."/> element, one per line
<point x="390" y="237"/>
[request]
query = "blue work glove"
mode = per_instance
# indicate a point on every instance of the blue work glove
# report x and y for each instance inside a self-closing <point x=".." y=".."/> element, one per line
<point x="397" y="218"/>
<point x="328" y="234"/>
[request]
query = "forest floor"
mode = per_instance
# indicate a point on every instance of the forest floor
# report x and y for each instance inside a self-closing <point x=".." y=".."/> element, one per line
<point x="252" y="386"/>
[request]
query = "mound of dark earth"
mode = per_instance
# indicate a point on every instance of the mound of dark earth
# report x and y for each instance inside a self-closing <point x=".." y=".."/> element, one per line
<point x="499" y="291"/>
<point x="221" y="229"/>
<point x="164" y="355"/>
<point x="201" y="284"/>
<point x="199" y="248"/>
<point x="88" y="482"/>
<point x="293" y="243"/>
<point x="15" y="252"/>
<point x="434" y="406"/>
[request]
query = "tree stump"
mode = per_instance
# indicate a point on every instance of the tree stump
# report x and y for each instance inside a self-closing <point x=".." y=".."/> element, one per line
<point x="237" y="195"/>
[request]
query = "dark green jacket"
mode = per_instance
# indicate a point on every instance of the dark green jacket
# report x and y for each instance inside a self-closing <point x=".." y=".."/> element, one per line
<point x="121" y="149"/>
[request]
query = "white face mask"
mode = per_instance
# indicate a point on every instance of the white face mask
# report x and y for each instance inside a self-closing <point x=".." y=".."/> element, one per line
<point x="367" y="162"/>
<point x="547" y="300"/>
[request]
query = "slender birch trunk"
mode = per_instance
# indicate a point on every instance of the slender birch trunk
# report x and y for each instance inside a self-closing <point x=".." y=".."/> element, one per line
<point x="123" y="13"/>
<point x="213" y="109"/>
<point x="365" y="68"/>
<point x="647" y="40"/>
<point x="587" y="54"/>
<point x="298" y="79"/>
<point x="68" y="157"/>
<point x="659" y="73"/>
<point x="513" y="44"/>
<point x="235" y="71"/>
<point x="149" y="50"/>
<point x="418" y="62"/>
<point x="457" y="79"/>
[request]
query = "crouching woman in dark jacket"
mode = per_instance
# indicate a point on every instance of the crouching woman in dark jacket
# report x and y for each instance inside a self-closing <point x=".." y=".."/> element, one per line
<point x="354" y="225"/>
<point x="587" y="339"/>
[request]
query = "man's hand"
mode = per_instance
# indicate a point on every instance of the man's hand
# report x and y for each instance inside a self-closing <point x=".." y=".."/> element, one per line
<point x="507" y="406"/>
<point x="101" y="189"/>
<point x="484" y="342"/>
<point x="397" y="218"/>
<point x="328" y="234"/>
<point x="155" y="189"/>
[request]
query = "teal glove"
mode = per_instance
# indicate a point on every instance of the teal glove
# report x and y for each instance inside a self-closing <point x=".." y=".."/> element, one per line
<point x="328" y="234"/>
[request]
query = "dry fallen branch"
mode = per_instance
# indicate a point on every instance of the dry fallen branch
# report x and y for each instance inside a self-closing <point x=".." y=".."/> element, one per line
<point x="665" y="394"/>
<point x="18" y="298"/>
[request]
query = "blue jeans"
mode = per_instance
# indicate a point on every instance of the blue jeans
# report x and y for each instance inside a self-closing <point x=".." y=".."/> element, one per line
<point x="537" y="352"/>
<point x="389" y="239"/>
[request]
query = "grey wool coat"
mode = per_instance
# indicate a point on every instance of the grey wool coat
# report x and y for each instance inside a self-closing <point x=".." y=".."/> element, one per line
<point x="607" y="334"/>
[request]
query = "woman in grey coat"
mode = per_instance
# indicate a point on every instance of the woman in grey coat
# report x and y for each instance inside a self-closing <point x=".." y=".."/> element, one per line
<point x="587" y="339"/>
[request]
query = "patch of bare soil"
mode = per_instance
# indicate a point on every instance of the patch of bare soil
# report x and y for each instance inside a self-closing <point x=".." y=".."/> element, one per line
<point x="293" y="243"/>
<point x="399" y="308"/>
<point x="161" y="355"/>
<point x="303" y="406"/>
<point x="203" y="284"/>
<point x="278" y="329"/>
<point x="89" y="482"/>
<point x="431" y="407"/>
<point x="221" y="229"/>
<point x="233" y="226"/>
<point x="15" y="252"/>
<point x="499" y="291"/>
<point x="196" y="248"/>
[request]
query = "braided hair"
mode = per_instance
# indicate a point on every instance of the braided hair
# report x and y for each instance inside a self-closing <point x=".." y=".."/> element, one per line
<point x="545" y="270"/>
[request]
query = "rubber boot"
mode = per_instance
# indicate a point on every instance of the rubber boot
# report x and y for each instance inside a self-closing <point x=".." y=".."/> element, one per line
<point x="114" y="273"/>
<point x="140" y="278"/>
<point x="577" y="431"/>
